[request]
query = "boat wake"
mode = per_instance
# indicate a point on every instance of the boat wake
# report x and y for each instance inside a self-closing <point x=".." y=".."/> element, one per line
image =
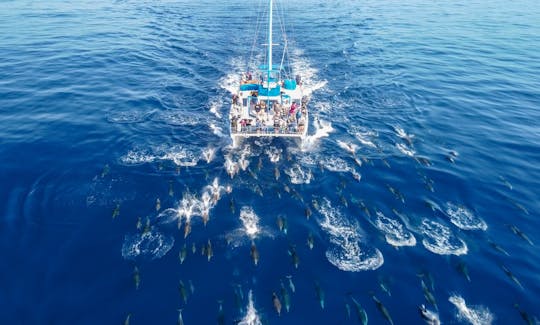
<point x="346" y="251"/>
<point x="180" y="155"/>
<point x="149" y="245"/>
<point x="440" y="240"/>
<point x="463" y="218"/>
<point x="395" y="233"/>
<point x="478" y="315"/>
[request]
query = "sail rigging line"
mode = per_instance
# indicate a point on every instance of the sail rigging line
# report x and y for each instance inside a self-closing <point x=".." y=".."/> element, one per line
<point x="258" y="24"/>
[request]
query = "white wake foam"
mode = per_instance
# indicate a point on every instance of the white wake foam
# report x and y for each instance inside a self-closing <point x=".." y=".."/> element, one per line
<point x="274" y="154"/>
<point x="346" y="251"/>
<point x="299" y="175"/>
<point x="464" y="218"/>
<point x="148" y="245"/>
<point x="395" y="232"/>
<point x="251" y="317"/>
<point x="347" y="146"/>
<point x="250" y="222"/>
<point x="405" y="150"/>
<point x="477" y="315"/>
<point x="440" y="240"/>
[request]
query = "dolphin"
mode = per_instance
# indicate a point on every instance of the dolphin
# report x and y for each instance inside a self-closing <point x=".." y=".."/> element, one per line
<point x="498" y="248"/>
<point x="158" y="204"/>
<point x="254" y="253"/>
<point x="462" y="268"/>
<point x="116" y="211"/>
<point x="128" y="319"/>
<point x="187" y="228"/>
<point x="428" y="295"/>
<point x="294" y="256"/>
<point x="191" y="287"/>
<point x="310" y="240"/>
<point x="277" y="303"/>
<point x="347" y="310"/>
<point x="308" y="213"/>
<point x="183" y="253"/>
<point x="180" y="319"/>
<point x="280" y="222"/>
<point x="360" y="312"/>
<point x="383" y="310"/>
<point x="521" y="234"/>
<point x="524" y="315"/>
<point x="171" y="190"/>
<point x="136" y="277"/>
<point x="285" y="296"/>
<point x="277" y="174"/>
<point x="139" y="223"/>
<point x="291" y="284"/>
<point x="105" y="171"/>
<point x="183" y="292"/>
<point x="320" y="294"/>
<point x="193" y="248"/>
<point x="429" y="316"/>
<point x="511" y="276"/>
<point x="147" y="226"/>
<point x="221" y="314"/>
<point x="209" y="250"/>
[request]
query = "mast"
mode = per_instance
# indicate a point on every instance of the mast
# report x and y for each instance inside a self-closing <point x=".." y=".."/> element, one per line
<point x="270" y="38"/>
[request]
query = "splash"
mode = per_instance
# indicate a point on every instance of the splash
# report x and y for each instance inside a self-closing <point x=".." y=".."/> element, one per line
<point x="231" y="167"/>
<point x="347" y="146"/>
<point x="209" y="154"/>
<point x="127" y="117"/>
<point x="322" y="130"/>
<point x="217" y="130"/>
<point x="395" y="233"/>
<point x="405" y="150"/>
<point x="463" y="218"/>
<point x="403" y="135"/>
<point x="336" y="165"/>
<point x="250" y="221"/>
<point x="251" y="317"/>
<point x="136" y="157"/>
<point x="347" y="252"/>
<point x="440" y="240"/>
<point x="299" y="175"/>
<point x="364" y="136"/>
<point x="214" y="107"/>
<point x="148" y="245"/>
<point x="479" y="315"/>
<point x="274" y="154"/>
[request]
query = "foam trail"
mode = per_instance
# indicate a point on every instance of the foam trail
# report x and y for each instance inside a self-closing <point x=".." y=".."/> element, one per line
<point x="250" y="221"/>
<point x="395" y="233"/>
<point x="148" y="245"/>
<point x="405" y="150"/>
<point x="299" y="175"/>
<point x="463" y="218"/>
<point x="251" y="317"/>
<point x="346" y="251"/>
<point x="347" y="146"/>
<point x="476" y="316"/>
<point x="209" y="154"/>
<point x="440" y="240"/>
<point x="217" y="130"/>
<point x="214" y="107"/>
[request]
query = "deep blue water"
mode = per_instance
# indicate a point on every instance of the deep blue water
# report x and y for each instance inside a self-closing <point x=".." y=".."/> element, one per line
<point x="107" y="104"/>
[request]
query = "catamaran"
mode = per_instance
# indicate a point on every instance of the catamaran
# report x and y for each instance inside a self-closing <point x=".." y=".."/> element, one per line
<point x="269" y="102"/>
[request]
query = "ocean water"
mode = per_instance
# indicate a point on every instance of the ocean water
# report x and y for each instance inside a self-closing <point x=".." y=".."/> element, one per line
<point x="418" y="184"/>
